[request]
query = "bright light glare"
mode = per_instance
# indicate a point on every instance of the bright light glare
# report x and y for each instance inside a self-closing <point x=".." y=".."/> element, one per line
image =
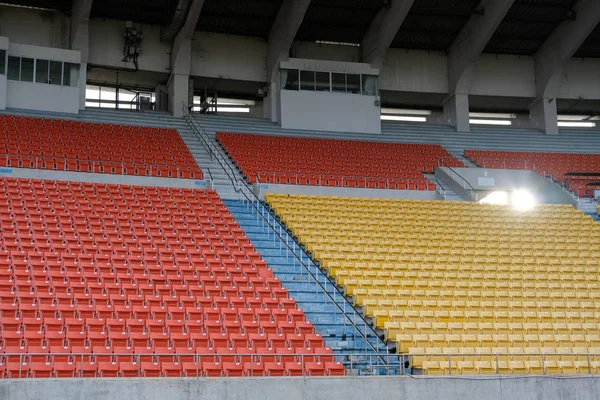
<point x="403" y="118"/>
<point x="492" y="115"/>
<point x="499" y="198"/>
<point x="522" y="200"/>
<point x="577" y="124"/>
<point x="489" y="122"/>
<point x="404" y="111"/>
<point x="573" y="117"/>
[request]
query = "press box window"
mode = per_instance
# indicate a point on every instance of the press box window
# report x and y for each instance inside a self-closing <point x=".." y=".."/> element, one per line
<point x="289" y="79"/>
<point x="14" y="68"/>
<point x="56" y="73"/>
<point x="338" y="83"/>
<point x="323" y="82"/>
<point x="42" y="67"/>
<point x="353" y="84"/>
<point x="307" y="80"/>
<point x="370" y="85"/>
<point x="26" y="69"/>
<point x="2" y="62"/>
<point x="71" y="75"/>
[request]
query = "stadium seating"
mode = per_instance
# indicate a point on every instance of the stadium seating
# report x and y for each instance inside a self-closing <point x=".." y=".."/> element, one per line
<point x="108" y="280"/>
<point x="92" y="147"/>
<point x="462" y="278"/>
<point x="559" y="165"/>
<point x="332" y="162"/>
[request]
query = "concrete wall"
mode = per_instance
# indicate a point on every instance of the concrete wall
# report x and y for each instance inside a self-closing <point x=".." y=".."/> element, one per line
<point x="103" y="178"/>
<point x="261" y="189"/>
<point x="107" y="41"/>
<point x="335" y="112"/>
<point x="229" y="57"/>
<point x="376" y="388"/>
<point x="36" y="27"/>
<point x="487" y="180"/>
<point x="322" y="51"/>
<point x="39" y="96"/>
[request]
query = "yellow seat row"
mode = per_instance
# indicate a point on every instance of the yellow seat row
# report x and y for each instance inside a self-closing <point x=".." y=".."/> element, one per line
<point x="435" y="274"/>
<point x="407" y="341"/>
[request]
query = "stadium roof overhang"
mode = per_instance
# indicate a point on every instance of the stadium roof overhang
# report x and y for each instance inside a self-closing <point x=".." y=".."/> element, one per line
<point x="429" y="25"/>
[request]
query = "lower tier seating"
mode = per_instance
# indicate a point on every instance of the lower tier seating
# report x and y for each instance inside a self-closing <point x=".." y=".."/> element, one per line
<point x="109" y="280"/>
<point x="465" y="279"/>
<point x="581" y="172"/>
<point x="333" y="162"/>
<point x="63" y="145"/>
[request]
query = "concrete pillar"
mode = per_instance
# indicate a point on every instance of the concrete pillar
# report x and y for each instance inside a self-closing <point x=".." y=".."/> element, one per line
<point x="179" y="85"/>
<point x="456" y="112"/>
<point x="80" y="40"/>
<point x="82" y="84"/>
<point x="544" y="117"/>
<point x="271" y="103"/>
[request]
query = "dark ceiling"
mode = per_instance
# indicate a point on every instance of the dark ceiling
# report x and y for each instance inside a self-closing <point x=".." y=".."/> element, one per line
<point x="429" y="25"/>
<point x="434" y="24"/>
<point x="528" y="24"/>
<point x="338" y="20"/>
<point x="247" y="17"/>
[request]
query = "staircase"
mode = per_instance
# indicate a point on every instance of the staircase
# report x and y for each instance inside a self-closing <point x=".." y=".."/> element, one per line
<point x="446" y="192"/>
<point x="318" y="300"/>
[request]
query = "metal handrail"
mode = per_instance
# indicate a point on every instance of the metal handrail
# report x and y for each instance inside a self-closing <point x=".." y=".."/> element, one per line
<point x="239" y="186"/>
<point x="470" y="187"/>
<point x="535" y="168"/>
<point x="396" y="364"/>
<point x="38" y="161"/>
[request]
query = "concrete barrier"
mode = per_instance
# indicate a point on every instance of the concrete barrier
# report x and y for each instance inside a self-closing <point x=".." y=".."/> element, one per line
<point x="348" y="388"/>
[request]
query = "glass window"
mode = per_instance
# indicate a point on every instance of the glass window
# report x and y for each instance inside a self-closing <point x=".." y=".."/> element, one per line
<point x="289" y="79"/>
<point x="338" y="82"/>
<point x="26" y="69"/>
<point x="307" y="80"/>
<point x="353" y="84"/>
<point x="323" y="84"/>
<point x="71" y="75"/>
<point x="14" y="68"/>
<point x="370" y="85"/>
<point x="2" y="62"/>
<point x="55" y="73"/>
<point x="41" y="71"/>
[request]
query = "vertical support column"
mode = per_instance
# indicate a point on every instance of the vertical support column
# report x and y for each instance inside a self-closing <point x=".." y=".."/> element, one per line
<point x="80" y="40"/>
<point x="456" y="112"/>
<point x="543" y="116"/>
<point x="179" y="82"/>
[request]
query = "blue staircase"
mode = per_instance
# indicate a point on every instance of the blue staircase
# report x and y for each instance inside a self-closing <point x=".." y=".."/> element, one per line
<point x="336" y="328"/>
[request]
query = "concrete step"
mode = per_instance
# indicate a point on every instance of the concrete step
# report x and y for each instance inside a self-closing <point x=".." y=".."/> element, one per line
<point x="315" y="299"/>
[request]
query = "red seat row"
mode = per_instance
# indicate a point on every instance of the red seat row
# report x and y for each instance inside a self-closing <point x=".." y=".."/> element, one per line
<point x="118" y="278"/>
<point x="130" y="369"/>
<point x="333" y="162"/>
<point x="116" y="149"/>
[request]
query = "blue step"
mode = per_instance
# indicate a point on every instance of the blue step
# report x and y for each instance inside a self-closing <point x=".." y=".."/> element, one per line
<point x="328" y="320"/>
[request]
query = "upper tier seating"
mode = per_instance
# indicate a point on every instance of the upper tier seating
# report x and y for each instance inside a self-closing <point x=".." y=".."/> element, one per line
<point x="109" y="271"/>
<point x="91" y="147"/>
<point x="463" y="278"/>
<point x="333" y="162"/>
<point x="557" y="164"/>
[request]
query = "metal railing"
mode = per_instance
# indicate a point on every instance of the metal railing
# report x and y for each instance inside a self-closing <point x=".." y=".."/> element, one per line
<point x="250" y="198"/>
<point x="459" y="178"/>
<point x="94" y="166"/>
<point x="526" y="165"/>
<point x="347" y="181"/>
<point x="198" y="365"/>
